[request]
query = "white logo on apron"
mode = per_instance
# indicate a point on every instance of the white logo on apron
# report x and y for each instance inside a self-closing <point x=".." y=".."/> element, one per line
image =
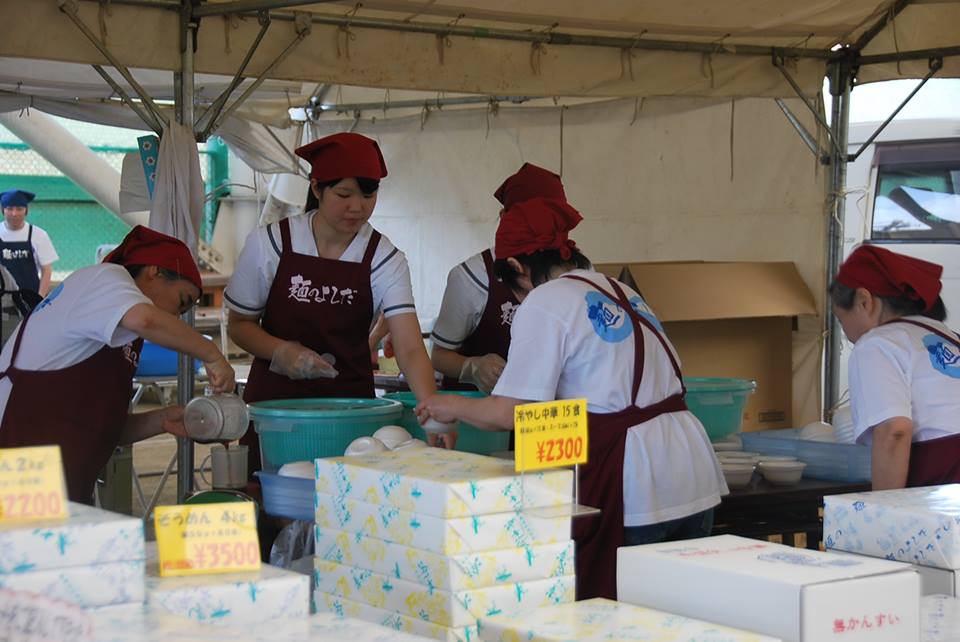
<point x="302" y="290"/>
<point x="507" y="310"/>
<point x="131" y="355"/>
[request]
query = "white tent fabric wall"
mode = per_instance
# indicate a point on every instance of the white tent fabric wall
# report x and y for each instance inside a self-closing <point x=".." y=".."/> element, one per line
<point x="659" y="189"/>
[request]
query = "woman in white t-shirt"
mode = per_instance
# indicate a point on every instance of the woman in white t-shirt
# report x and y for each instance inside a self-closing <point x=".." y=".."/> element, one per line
<point x="66" y="374"/>
<point x="651" y="468"/>
<point x="307" y="289"/>
<point x="904" y="369"/>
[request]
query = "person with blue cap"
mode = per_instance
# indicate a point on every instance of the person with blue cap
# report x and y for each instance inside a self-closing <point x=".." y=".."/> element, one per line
<point x="25" y="249"/>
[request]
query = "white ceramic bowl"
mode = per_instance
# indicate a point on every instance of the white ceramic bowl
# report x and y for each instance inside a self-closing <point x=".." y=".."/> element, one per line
<point x="769" y="458"/>
<point x="817" y="431"/>
<point x="411" y="444"/>
<point x="364" y="446"/>
<point x="726" y="446"/>
<point x="782" y="473"/>
<point x="738" y="457"/>
<point x="738" y="475"/>
<point x="392" y="436"/>
<point x="297" y="469"/>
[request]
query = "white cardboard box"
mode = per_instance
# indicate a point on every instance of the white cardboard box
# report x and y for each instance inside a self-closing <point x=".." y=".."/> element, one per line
<point x="915" y="525"/>
<point x="933" y="581"/>
<point x="324" y="603"/>
<point x="89" y="536"/>
<point x="794" y="594"/>
<point x="452" y="536"/>
<point x="448" y="573"/>
<point x="86" y="586"/>
<point x="442" y="483"/>
<point x="453" y="609"/>
<point x="601" y="620"/>
<point x="228" y="598"/>
<point x="941" y="619"/>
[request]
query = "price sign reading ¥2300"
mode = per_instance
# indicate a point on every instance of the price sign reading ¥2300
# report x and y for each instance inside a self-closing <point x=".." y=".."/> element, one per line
<point x="550" y="434"/>
<point x="31" y="484"/>
<point x="207" y="538"/>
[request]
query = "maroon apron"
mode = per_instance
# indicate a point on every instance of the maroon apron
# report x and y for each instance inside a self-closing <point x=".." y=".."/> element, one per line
<point x="492" y="334"/>
<point x="935" y="461"/>
<point x="327" y="305"/>
<point x="82" y="408"/>
<point x="601" y="478"/>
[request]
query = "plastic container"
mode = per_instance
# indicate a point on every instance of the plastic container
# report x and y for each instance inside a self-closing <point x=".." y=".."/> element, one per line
<point x="718" y="403"/>
<point x="157" y="361"/>
<point x="290" y="497"/>
<point x="470" y="439"/>
<point x="305" y="429"/>
<point x="825" y="460"/>
<point x="216" y="418"/>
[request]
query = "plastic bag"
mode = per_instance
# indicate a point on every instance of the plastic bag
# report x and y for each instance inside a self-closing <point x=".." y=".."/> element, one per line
<point x="294" y="543"/>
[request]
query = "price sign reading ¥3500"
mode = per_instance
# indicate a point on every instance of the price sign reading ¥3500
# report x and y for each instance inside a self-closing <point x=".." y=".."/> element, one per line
<point x="550" y="434"/>
<point x="207" y="538"/>
<point x="31" y="484"/>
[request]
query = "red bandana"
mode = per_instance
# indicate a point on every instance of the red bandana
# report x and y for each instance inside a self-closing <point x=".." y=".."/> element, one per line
<point x="529" y="182"/>
<point x="143" y="246"/>
<point x="536" y="224"/>
<point x="344" y="155"/>
<point x="885" y="273"/>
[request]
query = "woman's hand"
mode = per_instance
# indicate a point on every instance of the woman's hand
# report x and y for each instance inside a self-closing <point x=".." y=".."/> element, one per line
<point x="221" y="375"/>
<point x="442" y="408"/>
<point x="296" y="361"/>
<point x="172" y="421"/>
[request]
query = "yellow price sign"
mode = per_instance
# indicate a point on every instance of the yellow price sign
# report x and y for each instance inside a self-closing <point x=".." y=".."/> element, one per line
<point x="31" y="484"/>
<point x="550" y="434"/>
<point x="207" y="538"/>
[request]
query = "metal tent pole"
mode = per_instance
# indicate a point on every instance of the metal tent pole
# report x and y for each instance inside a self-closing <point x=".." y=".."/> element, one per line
<point x="840" y="75"/>
<point x="185" y="377"/>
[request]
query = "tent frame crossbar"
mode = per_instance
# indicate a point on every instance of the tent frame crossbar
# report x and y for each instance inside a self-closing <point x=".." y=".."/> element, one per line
<point x="314" y="112"/>
<point x="216" y="108"/>
<point x="69" y="8"/>
<point x="144" y="114"/>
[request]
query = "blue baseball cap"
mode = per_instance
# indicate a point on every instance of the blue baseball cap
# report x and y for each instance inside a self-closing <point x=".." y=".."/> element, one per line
<point x="16" y="198"/>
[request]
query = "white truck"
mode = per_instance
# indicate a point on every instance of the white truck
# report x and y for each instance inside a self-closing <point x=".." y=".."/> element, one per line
<point x="903" y="192"/>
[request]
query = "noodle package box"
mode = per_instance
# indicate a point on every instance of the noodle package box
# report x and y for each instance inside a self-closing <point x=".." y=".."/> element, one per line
<point x="441" y="483"/>
<point x="794" y="594"/>
<point x="229" y="598"/>
<point x="89" y="536"/>
<point x="940" y="619"/>
<point x="85" y="586"/>
<point x="915" y="525"/>
<point x="600" y="620"/>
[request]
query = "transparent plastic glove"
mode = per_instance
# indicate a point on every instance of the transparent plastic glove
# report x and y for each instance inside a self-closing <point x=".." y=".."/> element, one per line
<point x="292" y="359"/>
<point x="483" y="372"/>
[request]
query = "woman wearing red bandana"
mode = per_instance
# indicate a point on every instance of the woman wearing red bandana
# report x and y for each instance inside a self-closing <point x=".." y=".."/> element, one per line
<point x="306" y="290"/>
<point x="904" y="369"/>
<point x="66" y="374"/>
<point x="651" y="468"/>
<point x="472" y="333"/>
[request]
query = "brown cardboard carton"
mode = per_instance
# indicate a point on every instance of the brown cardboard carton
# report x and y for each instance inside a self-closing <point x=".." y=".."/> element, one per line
<point x="731" y="320"/>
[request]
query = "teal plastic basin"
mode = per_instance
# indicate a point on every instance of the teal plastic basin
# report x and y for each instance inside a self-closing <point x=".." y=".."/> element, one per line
<point x="470" y="439"/>
<point x="718" y="403"/>
<point x="307" y="429"/>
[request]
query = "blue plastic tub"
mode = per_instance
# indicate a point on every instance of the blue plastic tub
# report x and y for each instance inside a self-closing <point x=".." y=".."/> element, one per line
<point x="824" y="459"/>
<point x="718" y="403"/>
<point x="306" y="429"/>
<point x="290" y="497"/>
<point x="157" y="361"/>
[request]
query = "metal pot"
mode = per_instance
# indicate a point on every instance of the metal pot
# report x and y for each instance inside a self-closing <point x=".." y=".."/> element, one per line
<point x="216" y="418"/>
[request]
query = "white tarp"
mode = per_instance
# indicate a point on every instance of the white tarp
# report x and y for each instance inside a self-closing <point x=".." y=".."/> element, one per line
<point x="178" y="198"/>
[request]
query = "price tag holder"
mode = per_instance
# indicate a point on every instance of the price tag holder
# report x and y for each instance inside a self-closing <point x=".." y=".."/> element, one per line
<point x="31" y="485"/>
<point x="207" y="539"/>
<point x="552" y="434"/>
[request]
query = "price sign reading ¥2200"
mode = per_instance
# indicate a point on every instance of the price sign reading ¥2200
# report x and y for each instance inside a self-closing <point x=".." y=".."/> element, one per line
<point x="207" y="538"/>
<point x="31" y="484"/>
<point x="550" y="434"/>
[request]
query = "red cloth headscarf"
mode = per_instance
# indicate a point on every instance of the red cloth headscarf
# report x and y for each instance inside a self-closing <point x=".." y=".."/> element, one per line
<point x="534" y="225"/>
<point x="885" y="273"/>
<point x="344" y="155"/>
<point x="530" y="181"/>
<point x="143" y="246"/>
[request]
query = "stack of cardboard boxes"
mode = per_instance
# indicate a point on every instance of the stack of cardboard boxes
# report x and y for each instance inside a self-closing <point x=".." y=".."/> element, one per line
<point x="431" y="540"/>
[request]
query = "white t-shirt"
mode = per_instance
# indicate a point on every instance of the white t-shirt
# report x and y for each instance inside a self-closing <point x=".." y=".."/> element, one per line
<point x="569" y="341"/>
<point x="463" y="303"/>
<point x="256" y="267"/>
<point x="43" y="251"/>
<point x="901" y="370"/>
<point x="74" y="322"/>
